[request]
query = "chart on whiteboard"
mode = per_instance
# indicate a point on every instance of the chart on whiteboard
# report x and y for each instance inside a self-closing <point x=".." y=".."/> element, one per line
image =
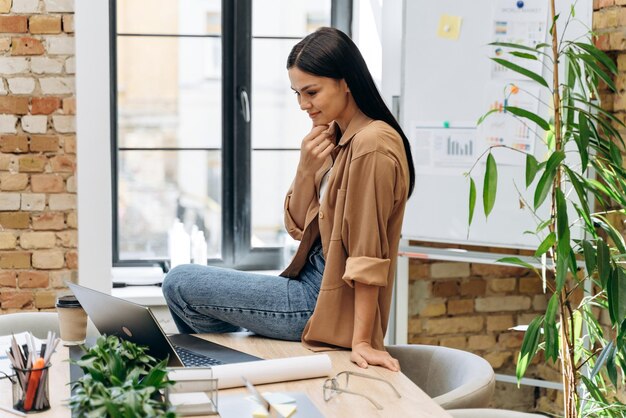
<point x="502" y="128"/>
<point x="450" y="150"/>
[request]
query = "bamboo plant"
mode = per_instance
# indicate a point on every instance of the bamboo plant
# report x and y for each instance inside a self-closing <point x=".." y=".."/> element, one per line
<point x="591" y="355"/>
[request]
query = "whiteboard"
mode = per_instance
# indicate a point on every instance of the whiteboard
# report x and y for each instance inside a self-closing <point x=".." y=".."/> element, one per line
<point x="444" y="80"/>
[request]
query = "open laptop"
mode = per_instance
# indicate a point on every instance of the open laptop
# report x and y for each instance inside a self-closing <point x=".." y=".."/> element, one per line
<point x="136" y="323"/>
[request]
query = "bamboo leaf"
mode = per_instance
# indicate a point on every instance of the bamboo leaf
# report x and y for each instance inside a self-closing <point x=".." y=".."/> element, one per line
<point x="578" y="187"/>
<point x="523" y="55"/>
<point x="550" y="331"/>
<point x="529" y="347"/>
<point x="583" y="142"/>
<point x="615" y="235"/>
<point x="483" y="117"/>
<point x="616" y="295"/>
<point x="562" y="222"/>
<point x="531" y="169"/>
<point x="472" y="200"/>
<point x="516" y="261"/>
<point x="598" y="55"/>
<point x="546" y="244"/>
<point x="563" y="251"/>
<point x="593" y="67"/>
<point x="523" y="113"/>
<point x="545" y="182"/>
<point x="606" y="352"/>
<point x="490" y="186"/>
<point x="513" y="46"/>
<point x="603" y="263"/>
<point x="616" y="154"/>
<point x="521" y="70"/>
<point x="590" y="257"/>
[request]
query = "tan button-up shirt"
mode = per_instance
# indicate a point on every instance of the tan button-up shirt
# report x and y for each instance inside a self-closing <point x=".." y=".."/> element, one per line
<point x="359" y="222"/>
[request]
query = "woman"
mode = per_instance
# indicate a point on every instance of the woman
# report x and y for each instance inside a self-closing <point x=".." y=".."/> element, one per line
<point x="345" y="207"/>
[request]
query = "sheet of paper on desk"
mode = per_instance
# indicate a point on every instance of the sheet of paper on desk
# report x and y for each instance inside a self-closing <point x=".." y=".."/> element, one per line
<point x="259" y="372"/>
<point x="5" y="344"/>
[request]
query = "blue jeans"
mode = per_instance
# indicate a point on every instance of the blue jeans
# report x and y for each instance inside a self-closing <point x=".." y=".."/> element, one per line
<point x="212" y="299"/>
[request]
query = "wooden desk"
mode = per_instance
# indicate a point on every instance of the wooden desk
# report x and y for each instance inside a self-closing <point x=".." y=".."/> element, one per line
<point x="414" y="401"/>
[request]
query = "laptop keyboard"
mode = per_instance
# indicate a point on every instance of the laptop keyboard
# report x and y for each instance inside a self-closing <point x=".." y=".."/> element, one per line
<point x="191" y="359"/>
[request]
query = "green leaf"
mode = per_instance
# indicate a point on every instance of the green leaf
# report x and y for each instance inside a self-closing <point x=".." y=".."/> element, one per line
<point x="531" y="169"/>
<point x="516" y="261"/>
<point x="590" y="257"/>
<point x="550" y="140"/>
<point x="592" y="66"/>
<point x="547" y="243"/>
<point x="583" y="140"/>
<point x="483" y="117"/>
<point x="616" y="295"/>
<point x="563" y="251"/>
<point x="545" y="182"/>
<point x="529" y="347"/>
<point x="523" y="55"/>
<point x="603" y="263"/>
<point x="598" y="55"/>
<point x="472" y="200"/>
<point x="513" y="46"/>
<point x="550" y="330"/>
<point x="601" y="359"/>
<point x="578" y="187"/>
<point x="490" y="186"/>
<point x="523" y="113"/>
<point x="616" y="154"/>
<point x="521" y="70"/>
<point x="562" y="222"/>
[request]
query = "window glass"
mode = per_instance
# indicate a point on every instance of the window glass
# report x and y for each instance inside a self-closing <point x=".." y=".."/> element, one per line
<point x="289" y="18"/>
<point x="157" y="187"/>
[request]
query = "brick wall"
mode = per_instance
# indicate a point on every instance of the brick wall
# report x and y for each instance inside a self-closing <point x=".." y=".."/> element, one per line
<point x="37" y="152"/>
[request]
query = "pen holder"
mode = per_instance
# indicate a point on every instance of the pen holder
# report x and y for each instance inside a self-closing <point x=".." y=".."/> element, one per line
<point x="31" y="391"/>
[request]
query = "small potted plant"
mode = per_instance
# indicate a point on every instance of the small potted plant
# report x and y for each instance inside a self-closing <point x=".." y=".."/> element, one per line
<point x="120" y="380"/>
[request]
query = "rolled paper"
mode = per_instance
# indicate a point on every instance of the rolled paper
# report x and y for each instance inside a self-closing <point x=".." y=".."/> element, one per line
<point x="260" y="372"/>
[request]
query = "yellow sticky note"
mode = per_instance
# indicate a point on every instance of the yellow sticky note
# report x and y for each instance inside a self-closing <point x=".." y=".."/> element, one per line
<point x="449" y="27"/>
<point x="260" y="412"/>
<point x="285" y="410"/>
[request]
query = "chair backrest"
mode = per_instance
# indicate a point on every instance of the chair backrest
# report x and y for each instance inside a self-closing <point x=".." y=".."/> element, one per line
<point x="39" y="323"/>
<point x="453" y="378"/>
<point x="490" y="413"/>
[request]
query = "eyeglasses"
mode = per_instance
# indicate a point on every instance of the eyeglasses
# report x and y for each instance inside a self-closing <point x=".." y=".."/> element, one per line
<point x="339" y="384"/>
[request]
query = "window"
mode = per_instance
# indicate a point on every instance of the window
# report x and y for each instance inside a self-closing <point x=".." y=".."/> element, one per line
<point x="205" y="128"/>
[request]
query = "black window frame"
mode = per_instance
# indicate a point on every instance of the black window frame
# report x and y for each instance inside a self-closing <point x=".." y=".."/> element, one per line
<point x="236" y="149"/>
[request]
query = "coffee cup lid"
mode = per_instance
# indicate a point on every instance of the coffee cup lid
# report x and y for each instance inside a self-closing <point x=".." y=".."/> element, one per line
<point x="67" y="301"/>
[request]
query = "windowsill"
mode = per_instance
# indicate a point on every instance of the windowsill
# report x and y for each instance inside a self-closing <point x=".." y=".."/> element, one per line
<point x="142" y="277"/>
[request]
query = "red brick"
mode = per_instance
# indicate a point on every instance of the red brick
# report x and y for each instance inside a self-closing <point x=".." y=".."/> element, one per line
<point x="13" y="182"/>
<point x="602" y="42"/>
<point x="44" y="143"/>
<point x="14" y="143"/>
<point x="69" y="105"/>
<point x="45" y="299"/>
<point x="531" y="285"/>
<point x="8" y="279"/>
<point x="13" y="24"/>
<point x="45" y="105"/>
<point x="33" y="279"/>
<point x="47" y="183"/>
<point x="473" y="287"/>
<point x="71" y="259"/>
<point x="460" y="306"/>
<point x="44" y="24"/>
<point x="32" y="164"/>
<point x="26" y="46"/>
<point x="489" y="270"/>
<point x="605" y="3"/>
<point x="14" y="220"/>
<point x="445" y="289"/>
<point x="69" y="144"/>
<point x="49" y="221"/>
<point x="14" y="105"/>
<point x="14" y="260"/>
<point x="63" y="164"/>
<point x="16" y="299"/>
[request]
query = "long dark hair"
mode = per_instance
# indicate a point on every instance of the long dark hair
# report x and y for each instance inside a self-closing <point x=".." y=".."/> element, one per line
<point x="328" y="52"/>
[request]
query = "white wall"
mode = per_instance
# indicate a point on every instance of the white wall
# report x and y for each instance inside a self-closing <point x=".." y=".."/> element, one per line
<point x="93" y="144"/>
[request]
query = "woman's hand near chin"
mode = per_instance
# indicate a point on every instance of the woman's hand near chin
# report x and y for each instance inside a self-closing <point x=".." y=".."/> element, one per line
<point x="363" y="354"/>
<point x="315" y="147"/>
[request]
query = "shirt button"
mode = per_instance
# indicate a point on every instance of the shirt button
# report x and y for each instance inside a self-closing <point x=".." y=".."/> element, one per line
<point x="321" y="215"/>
